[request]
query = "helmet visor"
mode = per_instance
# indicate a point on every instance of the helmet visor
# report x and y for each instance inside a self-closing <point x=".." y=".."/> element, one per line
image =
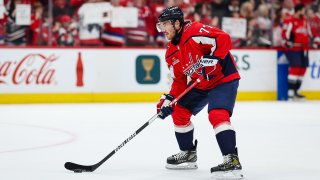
<point x="161" y="26"/>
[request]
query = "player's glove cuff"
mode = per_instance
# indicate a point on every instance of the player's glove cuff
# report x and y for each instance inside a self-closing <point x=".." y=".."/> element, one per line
<point x="164" y="108"/>
<point x="208" y="63"/>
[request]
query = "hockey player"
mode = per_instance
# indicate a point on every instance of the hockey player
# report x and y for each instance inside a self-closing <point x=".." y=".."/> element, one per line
<point x="297" y="33"/>
<point x="197" y="50"/>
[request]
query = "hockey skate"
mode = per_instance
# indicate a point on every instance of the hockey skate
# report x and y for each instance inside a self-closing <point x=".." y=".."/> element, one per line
<point x="183" y="160"/>
<point x="299" y="97"/>
<point x="230" y="169"/>
<point x="295" y="96"/>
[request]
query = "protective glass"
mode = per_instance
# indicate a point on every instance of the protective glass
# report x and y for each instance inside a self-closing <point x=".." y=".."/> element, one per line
<point x="161" y="26"/>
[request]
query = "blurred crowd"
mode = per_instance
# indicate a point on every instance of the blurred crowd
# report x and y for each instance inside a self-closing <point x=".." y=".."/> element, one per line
<point x="59" y="22"/>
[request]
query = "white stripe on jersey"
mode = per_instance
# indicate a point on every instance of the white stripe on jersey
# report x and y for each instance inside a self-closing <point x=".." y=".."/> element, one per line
<point x="206" y="40"/>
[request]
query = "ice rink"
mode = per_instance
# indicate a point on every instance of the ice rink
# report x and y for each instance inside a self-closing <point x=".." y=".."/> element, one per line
<point x="276" y="141"/>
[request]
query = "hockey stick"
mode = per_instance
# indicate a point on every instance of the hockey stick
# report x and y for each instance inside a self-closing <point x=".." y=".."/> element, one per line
<point x="77" y="168"/>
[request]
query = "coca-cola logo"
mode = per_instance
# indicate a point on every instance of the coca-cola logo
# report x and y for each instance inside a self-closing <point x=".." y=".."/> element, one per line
<point x="32" y="69"/>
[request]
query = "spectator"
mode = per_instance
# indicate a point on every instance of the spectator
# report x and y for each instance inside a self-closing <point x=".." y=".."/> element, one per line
<point x="234" y="12"/>
<point x="36" y="24"/>
<point x="219" y="9"/>
<point x="277" y="28"/>
<point x="234" y="8"/>
<point x="15" y="34"/>
<point x="205" y="11"/>
<point x="157" y="7"/>
<point x="61" y="7"/>
<point x="113" y="36"/>
<point x="264" y="26"/>
<point x="246" y="11"/>
<point x="315" y="28"/>
<point x="89" y="34"/>
<point x="67" y="32"/>
<point x="3" y="22"/>
<point x="76" y="3"/>
<point x="287" y="7"/>
<point x="143" y="34"/>
<point x="45" y="31"/>
<point x="202" y="14"/>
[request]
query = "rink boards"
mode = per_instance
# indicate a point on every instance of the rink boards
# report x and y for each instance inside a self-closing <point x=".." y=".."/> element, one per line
<point x="42" y="75"/>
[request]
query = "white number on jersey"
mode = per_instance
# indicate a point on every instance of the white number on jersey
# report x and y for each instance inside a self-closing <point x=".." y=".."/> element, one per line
<point x="203" y="28"/>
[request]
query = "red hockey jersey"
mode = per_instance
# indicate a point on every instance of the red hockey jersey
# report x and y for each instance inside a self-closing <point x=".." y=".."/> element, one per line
<point x="297" y="30"/>
<point x="183" y="60"/>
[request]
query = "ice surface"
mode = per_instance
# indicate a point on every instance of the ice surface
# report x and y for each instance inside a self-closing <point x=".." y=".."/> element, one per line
<point x="276" y="141"/>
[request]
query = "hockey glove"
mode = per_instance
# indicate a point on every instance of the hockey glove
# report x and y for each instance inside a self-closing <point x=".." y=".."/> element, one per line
<point x="163" y="106"/>
<point x="209" y="67"/>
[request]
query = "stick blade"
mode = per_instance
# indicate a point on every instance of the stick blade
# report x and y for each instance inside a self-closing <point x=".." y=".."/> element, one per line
<point x="77" y="167"/>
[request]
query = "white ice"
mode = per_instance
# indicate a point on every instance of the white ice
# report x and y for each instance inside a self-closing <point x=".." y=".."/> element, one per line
<point x="276" y="141"/>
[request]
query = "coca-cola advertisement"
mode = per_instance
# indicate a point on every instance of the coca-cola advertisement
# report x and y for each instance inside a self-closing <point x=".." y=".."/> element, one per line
<point x="32" y="69"/>
<point x="42" y="71"/>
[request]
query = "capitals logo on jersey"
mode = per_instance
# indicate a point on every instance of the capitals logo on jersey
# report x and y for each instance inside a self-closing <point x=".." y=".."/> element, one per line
<point x="193" y="67"/>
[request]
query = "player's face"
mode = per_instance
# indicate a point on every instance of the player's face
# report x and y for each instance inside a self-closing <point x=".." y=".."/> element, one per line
<point x="301" y="13"/>
<point x="167" y="29"/>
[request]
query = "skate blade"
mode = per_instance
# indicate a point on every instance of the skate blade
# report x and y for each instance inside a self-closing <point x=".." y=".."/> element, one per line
<point x="182" y="166"/>
<point x="297" y="99"/>
<point x="228" y="175"/>
<point x="300" y="99"/>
